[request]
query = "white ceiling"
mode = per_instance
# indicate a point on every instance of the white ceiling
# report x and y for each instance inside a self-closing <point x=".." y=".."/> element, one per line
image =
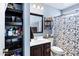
<point x="61" y="6"/>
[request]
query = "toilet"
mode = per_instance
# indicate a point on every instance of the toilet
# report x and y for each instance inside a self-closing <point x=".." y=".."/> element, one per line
<point x="56" y="51"/>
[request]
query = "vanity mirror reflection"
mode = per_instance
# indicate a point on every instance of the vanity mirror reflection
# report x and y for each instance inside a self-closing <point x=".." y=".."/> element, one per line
<point x="36" y="23"/>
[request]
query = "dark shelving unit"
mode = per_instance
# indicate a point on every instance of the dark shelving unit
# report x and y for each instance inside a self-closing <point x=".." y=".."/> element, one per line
<point x="14" y="29"/>
<point x="48" y="24"/>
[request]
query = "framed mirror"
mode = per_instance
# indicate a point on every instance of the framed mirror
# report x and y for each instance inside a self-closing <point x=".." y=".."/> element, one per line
<point x="36" y="23"/>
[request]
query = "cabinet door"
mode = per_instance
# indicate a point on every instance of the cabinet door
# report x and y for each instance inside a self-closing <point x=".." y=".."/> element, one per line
<point x="36" y="50"/>
<point x="46" y="49"/>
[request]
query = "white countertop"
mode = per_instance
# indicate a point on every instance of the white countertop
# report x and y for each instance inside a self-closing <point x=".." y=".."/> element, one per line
<point x="39" y="41"/>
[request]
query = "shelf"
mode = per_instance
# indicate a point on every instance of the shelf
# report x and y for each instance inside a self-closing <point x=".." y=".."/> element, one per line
<point x="14" y="11"/>
<point x="11" y="37"/>
<point x="48" y="20"/>
<point x="14" y="23"/>
<point x="13" y="50"/>
<point x="47" y="25"/>
<point x="17" y="49"/>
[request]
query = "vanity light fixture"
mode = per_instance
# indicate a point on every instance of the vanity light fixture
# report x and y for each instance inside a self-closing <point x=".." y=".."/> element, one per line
<point x="38" y="6"/>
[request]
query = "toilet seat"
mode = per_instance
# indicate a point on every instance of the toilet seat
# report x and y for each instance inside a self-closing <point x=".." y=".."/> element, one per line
<point x="57" y="50"/>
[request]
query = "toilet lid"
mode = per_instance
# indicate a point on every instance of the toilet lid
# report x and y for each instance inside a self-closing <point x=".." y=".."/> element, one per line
<point x="56" y="50"/>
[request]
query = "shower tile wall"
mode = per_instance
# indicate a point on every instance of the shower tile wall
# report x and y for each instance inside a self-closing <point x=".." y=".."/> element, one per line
<point x="66" y="34"/>
<point x="77" y="35"/>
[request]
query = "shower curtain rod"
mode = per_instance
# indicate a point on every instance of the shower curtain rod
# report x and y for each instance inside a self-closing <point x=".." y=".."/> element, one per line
<point x="68" y="14"/>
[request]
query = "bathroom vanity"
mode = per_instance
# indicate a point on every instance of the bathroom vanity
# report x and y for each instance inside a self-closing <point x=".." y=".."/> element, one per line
<point x="40" y="48"/>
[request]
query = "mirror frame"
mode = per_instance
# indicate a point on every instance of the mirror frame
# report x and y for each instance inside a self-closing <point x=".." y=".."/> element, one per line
<point x="41" y="19"/>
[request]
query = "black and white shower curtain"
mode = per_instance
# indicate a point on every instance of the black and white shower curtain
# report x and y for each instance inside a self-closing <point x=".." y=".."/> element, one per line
<point x="66" y="33"/>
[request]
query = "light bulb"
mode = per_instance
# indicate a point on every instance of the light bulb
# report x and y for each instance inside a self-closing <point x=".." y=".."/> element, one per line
<point x="38" y="7"/>
<point x="42" y="8"/>
<point x="34" y="6"/>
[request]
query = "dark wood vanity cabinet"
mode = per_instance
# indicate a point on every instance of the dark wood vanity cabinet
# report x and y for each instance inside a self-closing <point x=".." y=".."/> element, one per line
<point x="36" y="50"/>
<point x="40" y="50"/>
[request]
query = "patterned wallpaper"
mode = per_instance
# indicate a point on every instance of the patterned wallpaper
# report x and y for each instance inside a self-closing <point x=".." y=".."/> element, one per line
<point x="66" y="34"/>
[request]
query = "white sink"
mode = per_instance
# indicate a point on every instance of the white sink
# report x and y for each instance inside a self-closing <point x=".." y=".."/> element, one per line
<point x="38" y="41"/>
